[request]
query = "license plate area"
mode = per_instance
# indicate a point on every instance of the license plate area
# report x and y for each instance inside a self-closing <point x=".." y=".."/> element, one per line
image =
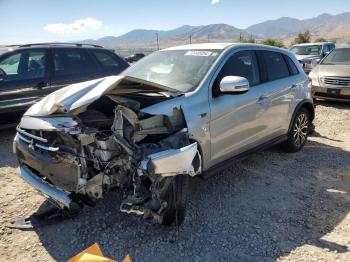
<point x="333" y="91"/>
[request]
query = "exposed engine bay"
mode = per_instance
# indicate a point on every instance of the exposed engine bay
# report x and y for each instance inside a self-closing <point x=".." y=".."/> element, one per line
<point x="111" y="143"/>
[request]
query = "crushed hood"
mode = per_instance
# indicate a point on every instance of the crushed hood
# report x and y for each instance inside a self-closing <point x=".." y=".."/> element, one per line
<point x="75" y="96"/>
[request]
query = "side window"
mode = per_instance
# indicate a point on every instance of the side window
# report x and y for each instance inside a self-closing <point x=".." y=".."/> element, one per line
<point x="109" y="62"/>
<point x="35" y="67"/>
<point x="292" y="67"/>
<point x="330" y="47"/>
<point x="105" y="59"/>
<point x="243" y="64"/>
<point x="71" y="62"/>
<point x="326" y="48"/>
<point x="275" y="64"/>
<point x="9" y="67"/>
<point x="23" y="65"/>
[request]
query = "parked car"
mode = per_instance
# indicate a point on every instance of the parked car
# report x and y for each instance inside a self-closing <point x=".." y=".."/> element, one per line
<point x="30" y="72"/>
<point x="330" y="80"/>
<point x="180" y="112"/>
<point x="310" y="54"/>
<point x="135" y="57"/>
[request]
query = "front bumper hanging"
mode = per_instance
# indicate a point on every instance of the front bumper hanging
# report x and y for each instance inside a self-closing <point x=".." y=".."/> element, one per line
<point x="58" y="195"/>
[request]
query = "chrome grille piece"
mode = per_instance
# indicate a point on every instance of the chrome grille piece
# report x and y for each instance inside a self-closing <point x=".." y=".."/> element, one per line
<point x="337" y="81"/>
<point x="31" y="140"/>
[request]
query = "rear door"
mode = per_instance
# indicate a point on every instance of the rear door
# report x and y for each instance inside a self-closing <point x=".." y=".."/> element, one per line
<point x="279" y="90"/>
<point x="71" y="65"/>
<point x="24" y="77"/>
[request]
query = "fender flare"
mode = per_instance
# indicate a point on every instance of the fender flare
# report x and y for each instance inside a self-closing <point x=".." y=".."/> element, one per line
<point x="309" y="106"/>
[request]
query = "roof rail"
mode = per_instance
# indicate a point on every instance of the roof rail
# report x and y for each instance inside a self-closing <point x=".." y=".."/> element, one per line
<point x="40" y="44"/>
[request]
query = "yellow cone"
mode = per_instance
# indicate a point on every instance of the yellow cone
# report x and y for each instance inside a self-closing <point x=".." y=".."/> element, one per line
<point x="94" y="254"/>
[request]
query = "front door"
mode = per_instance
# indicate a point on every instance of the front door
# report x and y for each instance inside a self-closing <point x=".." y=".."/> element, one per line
<point x="23" y="78"/>
<point x="237" y="120"/>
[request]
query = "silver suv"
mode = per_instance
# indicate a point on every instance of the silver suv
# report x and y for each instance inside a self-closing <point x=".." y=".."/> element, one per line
<point x="180" y="112"/>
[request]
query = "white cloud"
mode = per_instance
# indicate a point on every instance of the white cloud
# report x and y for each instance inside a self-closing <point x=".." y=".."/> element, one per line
<point x="214" y="2"/>
<point x="77" y="26"/>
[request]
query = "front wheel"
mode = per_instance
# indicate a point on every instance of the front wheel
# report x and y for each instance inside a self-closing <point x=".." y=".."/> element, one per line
<point x="176" y="198"/>
<point x="298" y="132"/>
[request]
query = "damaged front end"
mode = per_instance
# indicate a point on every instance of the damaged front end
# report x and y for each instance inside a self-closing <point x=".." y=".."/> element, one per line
<point x="76" y="158"/>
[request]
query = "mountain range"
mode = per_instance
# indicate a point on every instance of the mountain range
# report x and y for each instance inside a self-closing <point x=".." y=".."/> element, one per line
<point x="332" y="27"/>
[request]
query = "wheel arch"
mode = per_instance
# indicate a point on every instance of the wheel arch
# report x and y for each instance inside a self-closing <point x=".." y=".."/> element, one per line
<point x="308" y="105"/>
<point x="200" y="150"/>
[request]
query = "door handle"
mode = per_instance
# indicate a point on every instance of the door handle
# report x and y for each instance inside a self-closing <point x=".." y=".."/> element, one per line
<point x="203" y="115"/>
<point x="262" y="99"/>
<point x="41" y="85"/>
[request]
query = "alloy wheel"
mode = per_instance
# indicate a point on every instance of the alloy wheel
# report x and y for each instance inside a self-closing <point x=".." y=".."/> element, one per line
<point x="301" y="128"/>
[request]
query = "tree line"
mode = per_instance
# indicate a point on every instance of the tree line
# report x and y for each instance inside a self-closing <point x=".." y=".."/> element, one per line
<point x="304" y="37"/>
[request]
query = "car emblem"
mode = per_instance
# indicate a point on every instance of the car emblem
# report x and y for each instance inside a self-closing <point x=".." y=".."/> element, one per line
<point x="336" y="82"/>
<point x="31" y="145"/>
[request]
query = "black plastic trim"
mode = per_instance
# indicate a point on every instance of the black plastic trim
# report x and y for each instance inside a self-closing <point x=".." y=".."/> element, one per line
<point x="227" y="163"/>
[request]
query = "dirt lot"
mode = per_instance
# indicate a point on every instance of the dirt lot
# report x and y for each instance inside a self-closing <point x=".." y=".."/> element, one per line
<point x="270" y="206"/>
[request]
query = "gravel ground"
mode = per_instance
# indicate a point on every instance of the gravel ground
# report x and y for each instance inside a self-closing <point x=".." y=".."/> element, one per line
<point x="270" y="206"/>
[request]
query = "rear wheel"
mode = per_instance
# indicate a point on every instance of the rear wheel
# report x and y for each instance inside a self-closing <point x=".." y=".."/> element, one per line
<point x="176" y="198"/>
<point x="298" y="132"/>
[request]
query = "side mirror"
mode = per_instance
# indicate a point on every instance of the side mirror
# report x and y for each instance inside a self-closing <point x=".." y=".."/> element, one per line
<point x="234" y="85"/>
<point x="325" y="53"/>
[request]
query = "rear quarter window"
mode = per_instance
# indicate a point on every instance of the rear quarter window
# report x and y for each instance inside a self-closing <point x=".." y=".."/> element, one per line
<point x="275" y="64"/>
<point x="109" y="61"/>
<point x="292" y="67"/>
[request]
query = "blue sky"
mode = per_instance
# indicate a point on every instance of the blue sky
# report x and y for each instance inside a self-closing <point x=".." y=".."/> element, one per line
<point x="64" y="20"/>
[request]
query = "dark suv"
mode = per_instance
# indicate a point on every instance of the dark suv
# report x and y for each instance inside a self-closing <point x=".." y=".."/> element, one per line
<point x="30" y="72"/>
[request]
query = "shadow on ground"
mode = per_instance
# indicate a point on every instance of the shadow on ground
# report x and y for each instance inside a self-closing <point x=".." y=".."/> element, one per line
<point x="334" y="104"/>
<point x="6" y="156"/>
<point x="261" y="208"/>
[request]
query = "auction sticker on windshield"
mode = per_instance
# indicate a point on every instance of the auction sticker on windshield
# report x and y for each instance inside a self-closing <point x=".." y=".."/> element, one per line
<point x="199" y="53"/>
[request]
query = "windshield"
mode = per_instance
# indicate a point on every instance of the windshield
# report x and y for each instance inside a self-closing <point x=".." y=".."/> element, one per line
<point x="178" y="69"/>
<point x="338" y="57"/>
<point x="307" y="50"/>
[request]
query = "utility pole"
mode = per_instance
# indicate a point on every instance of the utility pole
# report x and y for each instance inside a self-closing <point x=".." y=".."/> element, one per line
<point x="190" y="39"/>
<point x="208" y="38"/>
<point x="157" y="41"/>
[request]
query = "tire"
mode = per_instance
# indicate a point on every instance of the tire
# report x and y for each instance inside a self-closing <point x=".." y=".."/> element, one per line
<point x="299" y="131"/>
<point x="176" y="197"/>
